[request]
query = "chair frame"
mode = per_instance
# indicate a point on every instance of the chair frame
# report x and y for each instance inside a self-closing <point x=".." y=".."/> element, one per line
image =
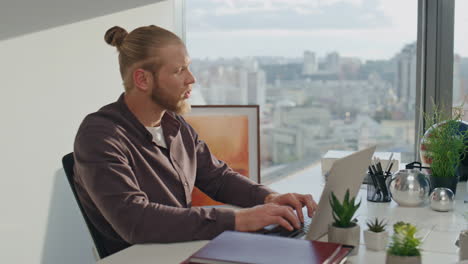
<point x="68" y="162"/>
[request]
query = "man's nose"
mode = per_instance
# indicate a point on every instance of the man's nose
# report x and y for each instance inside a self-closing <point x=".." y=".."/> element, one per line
<point x="191" y="79"/>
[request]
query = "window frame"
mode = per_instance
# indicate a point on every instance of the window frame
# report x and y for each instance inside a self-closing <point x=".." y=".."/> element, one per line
<point x="434" y="80"/>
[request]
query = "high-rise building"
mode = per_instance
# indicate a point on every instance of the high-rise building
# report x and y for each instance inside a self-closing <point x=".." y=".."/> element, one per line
<point x="405" y="63"/>
<point x="332" y="62"/>
<point x="310" y="65"/>
<point x="256" y="88"/>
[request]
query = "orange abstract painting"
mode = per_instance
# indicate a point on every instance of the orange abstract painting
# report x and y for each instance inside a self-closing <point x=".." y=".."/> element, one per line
<point x="228" y="139"/>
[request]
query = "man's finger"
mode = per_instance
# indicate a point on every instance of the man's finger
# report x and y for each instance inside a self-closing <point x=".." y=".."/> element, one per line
<point x="282" y="222"/>
<point x="297" y="204"/>
<point x="289" y="214"/>
<point x="310" y="204"/>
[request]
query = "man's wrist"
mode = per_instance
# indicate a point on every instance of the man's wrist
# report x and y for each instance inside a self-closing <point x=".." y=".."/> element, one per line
<point x="270" y="197"/>
<point x="239" y="224"/>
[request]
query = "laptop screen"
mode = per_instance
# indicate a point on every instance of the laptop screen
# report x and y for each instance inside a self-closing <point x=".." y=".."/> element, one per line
<point x="345" y="173"/>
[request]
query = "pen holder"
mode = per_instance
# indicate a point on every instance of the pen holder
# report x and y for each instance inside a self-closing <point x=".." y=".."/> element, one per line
<point x="377" y="188"/>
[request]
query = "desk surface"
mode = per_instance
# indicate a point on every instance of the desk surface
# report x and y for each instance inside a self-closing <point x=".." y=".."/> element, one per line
<point x="438" y="230"/>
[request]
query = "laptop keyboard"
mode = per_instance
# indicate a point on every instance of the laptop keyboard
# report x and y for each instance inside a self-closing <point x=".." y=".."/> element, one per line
<point x="277" y="230"/>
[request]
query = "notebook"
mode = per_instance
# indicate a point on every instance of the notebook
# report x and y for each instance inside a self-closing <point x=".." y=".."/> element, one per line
<point x="239" y="247"/>
<point x="346" y="173"/>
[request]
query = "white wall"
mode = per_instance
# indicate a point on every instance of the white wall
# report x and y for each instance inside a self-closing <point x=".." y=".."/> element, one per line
<point x="49" y="81"/>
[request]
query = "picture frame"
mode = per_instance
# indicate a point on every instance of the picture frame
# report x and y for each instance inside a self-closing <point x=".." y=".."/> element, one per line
<point x="233" y="135"/>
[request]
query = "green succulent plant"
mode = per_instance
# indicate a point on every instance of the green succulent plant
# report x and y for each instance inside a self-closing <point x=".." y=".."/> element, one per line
<point x="404" y="240"/>
<point x="343" y="212"/>
<point x="376" y="225"/>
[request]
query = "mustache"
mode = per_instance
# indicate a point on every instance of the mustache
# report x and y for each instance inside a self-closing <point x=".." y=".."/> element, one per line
<point x="186" y="91"/>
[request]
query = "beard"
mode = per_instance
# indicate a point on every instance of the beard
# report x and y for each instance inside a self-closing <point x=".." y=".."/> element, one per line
<point x="171" y="102"/>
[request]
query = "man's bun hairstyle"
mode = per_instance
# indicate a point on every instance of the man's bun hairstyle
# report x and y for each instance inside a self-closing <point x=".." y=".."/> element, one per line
<point x="115" y="36"/>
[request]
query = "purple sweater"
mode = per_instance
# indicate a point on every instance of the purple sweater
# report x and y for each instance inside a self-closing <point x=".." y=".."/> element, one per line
<point x="135" y="192"/>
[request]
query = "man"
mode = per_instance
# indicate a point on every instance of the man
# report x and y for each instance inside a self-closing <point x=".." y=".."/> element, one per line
<point x="137" y="160"/>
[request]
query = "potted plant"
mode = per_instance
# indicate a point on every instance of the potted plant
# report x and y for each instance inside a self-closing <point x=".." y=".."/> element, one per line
<point x="344" y="229"/>
<point x="404" y="247"/>
<point x="443" y="146"/>
<point x="376" y="237"/>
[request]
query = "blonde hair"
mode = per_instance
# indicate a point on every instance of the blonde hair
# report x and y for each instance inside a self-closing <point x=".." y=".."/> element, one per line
<point x="139" y="48"/>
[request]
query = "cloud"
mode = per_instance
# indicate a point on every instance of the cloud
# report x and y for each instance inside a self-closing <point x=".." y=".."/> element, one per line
<point x="364" y="43"/>
<point x="231" y="15"/>
<point x="369" y="29"/>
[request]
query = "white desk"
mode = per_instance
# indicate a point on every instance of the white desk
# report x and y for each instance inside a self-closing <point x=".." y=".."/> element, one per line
<point x="438" y="230"/>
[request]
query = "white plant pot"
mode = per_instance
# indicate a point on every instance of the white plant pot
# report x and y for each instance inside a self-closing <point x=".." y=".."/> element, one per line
<point x="347" y="236"/>
<point x="376" y="241"/>
<point x="392" y="259"/>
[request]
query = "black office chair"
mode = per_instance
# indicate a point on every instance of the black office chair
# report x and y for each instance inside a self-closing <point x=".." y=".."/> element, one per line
<point x="68" y="162"/>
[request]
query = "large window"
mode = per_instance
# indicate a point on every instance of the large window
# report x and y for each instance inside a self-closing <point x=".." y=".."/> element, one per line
<point x="460" y="59"/>
<point x="327" y="75"/>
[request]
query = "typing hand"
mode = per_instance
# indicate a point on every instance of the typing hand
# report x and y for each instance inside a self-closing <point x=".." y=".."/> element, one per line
<point x="294" y="200"/>
<point x="255" y="218"/>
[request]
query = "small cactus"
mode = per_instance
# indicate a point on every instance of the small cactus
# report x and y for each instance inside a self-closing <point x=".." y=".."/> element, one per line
<point x="376" y="225"/>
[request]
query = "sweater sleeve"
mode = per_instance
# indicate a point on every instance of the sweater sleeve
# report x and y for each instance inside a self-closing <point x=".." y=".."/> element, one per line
<point x="102" y="168"/>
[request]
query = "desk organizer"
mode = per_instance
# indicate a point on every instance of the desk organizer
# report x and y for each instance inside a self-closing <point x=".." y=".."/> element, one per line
<point x="377" y="188"/>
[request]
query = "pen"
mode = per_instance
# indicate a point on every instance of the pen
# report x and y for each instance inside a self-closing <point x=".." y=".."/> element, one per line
<point x="390" y="167"/>
<point x="374" y="182"/>
<point x="383" y="187"/>
<point x="372" y="177"/>
<point x="389" y="161"/>
<point x="379" y="166"/>
<point x="374" y="166"/>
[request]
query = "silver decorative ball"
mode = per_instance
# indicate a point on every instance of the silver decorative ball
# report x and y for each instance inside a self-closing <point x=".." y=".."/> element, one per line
<point x="442" y="199"/>
<point x="409" y="187"/>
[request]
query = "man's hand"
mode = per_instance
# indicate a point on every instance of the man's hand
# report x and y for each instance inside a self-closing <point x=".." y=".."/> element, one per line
<point x="255" y="218"/>
<point x="294" y="200"/>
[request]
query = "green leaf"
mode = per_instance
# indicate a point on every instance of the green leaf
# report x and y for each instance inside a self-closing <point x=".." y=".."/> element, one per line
<point x="346" y="197"/>
<point x="404" y="242"/>
<point x="343" y="212"/>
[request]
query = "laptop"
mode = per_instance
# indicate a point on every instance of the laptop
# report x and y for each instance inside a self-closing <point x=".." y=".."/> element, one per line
<point x="345" y="173"/>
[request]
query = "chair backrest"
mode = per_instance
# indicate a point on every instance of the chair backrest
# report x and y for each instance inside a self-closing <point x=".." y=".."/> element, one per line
<point x="68" y="161"/>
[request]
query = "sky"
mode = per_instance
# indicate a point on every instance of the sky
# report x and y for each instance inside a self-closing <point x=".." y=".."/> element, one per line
<point x="461" y="28"/>
<point x="367" y="29"/>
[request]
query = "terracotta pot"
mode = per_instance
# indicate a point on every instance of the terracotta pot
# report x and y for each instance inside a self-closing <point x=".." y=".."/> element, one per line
<point x="347" y="236"/>
<point x="392" y="259"/>
<point x="376" y="241"/>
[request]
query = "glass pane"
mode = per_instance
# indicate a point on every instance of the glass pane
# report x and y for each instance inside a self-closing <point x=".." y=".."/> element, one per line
<point x="328" y="75"/>
<point x="460" y="59"/>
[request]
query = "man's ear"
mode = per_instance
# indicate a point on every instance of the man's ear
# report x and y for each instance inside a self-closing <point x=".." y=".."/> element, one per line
<point x="142" y="79"/>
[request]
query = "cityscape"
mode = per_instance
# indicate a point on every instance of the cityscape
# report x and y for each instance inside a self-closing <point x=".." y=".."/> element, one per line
<point x="313" y="104"/>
